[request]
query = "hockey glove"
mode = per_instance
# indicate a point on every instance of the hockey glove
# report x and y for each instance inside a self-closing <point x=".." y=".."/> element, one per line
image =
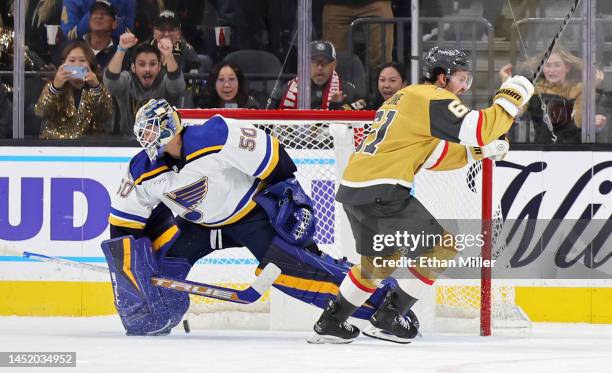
<point x="513" y="93"/>
<point x="496" y="150"/>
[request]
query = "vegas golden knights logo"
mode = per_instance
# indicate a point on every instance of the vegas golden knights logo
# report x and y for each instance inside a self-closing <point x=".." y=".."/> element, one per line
<point x="190" y="197"/>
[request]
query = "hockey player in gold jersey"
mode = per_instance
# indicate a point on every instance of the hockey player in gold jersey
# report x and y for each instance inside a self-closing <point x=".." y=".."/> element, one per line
<point x="422" y="126"/>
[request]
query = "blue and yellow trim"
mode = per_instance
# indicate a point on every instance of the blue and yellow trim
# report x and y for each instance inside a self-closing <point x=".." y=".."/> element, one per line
<point x="270" y="160"/>
<point x="203" y="152"/>
<point x="245" y="206"/>
<point x="125" y="223"/>
<point x="304" y="284"/>
<point x="165" y="238"/>
<point x="151" y="174"/>
<point x="123" y="219"/>
<point x="127" y="261"/>
<point x="237" y="216"/>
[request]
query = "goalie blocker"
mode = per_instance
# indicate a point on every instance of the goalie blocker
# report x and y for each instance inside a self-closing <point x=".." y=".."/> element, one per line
<point x="284" y="226"/>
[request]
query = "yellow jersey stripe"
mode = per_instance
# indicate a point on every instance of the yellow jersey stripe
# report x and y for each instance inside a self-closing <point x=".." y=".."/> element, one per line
<point x="150" y="174"/>
<point x="125" y="223"/>
<point x="204" y="151"/>
<point x="243" y="212"/>
<point x="164" y="238"/>
<point x="239" y="215"/>
<point x="273" y="161"/>
<point x="304" y="284"/>
<point x="127" y="266"/>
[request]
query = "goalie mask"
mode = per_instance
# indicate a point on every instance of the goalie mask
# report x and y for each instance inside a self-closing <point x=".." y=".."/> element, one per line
<point x="445" y="61"/>
<point x="157" y="122"/>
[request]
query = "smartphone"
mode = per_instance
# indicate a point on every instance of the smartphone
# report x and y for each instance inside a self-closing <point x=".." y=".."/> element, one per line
<point x="78" y="72"/>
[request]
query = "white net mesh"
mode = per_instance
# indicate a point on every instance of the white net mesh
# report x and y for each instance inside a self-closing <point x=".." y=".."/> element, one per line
<point x="320" y="159"/>
<point x="457" y="195"/>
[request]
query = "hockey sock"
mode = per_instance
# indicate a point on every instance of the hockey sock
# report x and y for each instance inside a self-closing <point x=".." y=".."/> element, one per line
<point x="410" y="290"/>
<point x="355" y="288"/>
<point x="343" y="308"/>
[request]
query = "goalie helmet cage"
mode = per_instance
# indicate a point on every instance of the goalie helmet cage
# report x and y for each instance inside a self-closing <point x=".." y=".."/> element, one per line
<point x="320" y="143"/>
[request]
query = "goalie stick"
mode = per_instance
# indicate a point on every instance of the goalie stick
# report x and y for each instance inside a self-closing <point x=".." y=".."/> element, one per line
<point x="249" y="295"/>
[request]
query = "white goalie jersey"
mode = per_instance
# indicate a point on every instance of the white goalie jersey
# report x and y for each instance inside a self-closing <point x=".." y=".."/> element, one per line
<point x="221" y="168"/>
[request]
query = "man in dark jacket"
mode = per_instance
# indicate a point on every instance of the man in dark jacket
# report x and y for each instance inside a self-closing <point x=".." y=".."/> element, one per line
<point x="168" y="25"/>
<point x="328" y="90"/>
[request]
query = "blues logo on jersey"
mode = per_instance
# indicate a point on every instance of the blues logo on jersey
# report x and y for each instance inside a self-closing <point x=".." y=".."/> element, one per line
<point x="190" y="197"/>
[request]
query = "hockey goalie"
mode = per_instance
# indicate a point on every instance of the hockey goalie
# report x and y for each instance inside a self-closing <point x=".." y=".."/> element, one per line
<point x="196" y="189"/>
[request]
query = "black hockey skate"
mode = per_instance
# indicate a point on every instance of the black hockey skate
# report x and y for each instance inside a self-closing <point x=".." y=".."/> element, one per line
<point x="389" y="324"/>
<point x="332" y="326"/>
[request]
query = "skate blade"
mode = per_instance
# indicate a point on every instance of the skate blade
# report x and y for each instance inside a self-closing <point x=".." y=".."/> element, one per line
<point x="374" y="332"/>
<point x="318" y="339"/>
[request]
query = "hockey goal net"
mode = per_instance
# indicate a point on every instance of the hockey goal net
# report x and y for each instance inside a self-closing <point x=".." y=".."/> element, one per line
<point x="320" y="143"/>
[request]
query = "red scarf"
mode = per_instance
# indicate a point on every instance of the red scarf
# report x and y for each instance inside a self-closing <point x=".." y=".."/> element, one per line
<point x="289" y="101"/>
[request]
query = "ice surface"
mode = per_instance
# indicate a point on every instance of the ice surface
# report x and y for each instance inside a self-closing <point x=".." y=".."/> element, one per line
<point x="101" y="346"/>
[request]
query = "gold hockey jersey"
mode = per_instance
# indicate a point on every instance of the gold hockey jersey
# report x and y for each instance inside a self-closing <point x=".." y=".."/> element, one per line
<point x="422" y="125"/>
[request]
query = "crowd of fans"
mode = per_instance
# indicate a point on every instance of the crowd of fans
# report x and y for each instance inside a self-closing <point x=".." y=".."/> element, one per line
<point x="135" y="50"/>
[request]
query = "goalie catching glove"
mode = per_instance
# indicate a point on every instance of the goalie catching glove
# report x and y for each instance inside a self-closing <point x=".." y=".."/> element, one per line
<point x="514" y="93"/>
<point x="290" y="211"/>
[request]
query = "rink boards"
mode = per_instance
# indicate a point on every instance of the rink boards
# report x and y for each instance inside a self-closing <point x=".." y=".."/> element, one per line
<point x="55" y="200"/>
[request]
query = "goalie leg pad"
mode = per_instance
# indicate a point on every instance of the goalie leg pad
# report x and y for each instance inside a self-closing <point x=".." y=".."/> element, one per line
<point x="306" y="276"/>
<point x="131" y="264"/>
<point x="314" y="278"/>
<point x="176" y="302"/>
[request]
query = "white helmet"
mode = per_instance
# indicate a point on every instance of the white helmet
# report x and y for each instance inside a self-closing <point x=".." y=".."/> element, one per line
<point x="157" y="122"/>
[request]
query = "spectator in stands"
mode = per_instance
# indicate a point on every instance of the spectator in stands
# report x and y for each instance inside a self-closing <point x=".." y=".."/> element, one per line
<point x="227" y="88"/>
<point x="328" y="90"/>
<point x="560" y="89"/>
<point x="145" y="81"/>
<point x="6" y="110"/>
<point x="39" y="14"/>
<point x="168" y="25"/>
<point x="74" y="107"/>
<point x="338" y="15"/>
<point x="146" y="12"/>
<point x="102" y="23"/>
<point x="75" y="17"/>
<point x="5" y="9"/>
<point x="33" y="84"/>
<point x="391" y="78"/>
<point x="195" y="27"/>
<point x="604" y="104"/>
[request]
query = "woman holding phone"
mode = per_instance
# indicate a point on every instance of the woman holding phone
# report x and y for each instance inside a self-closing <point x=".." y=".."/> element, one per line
<point x="75" y="103"/>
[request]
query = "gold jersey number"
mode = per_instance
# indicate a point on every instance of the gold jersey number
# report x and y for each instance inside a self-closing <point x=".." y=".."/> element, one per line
<point x="382" y="121"/>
